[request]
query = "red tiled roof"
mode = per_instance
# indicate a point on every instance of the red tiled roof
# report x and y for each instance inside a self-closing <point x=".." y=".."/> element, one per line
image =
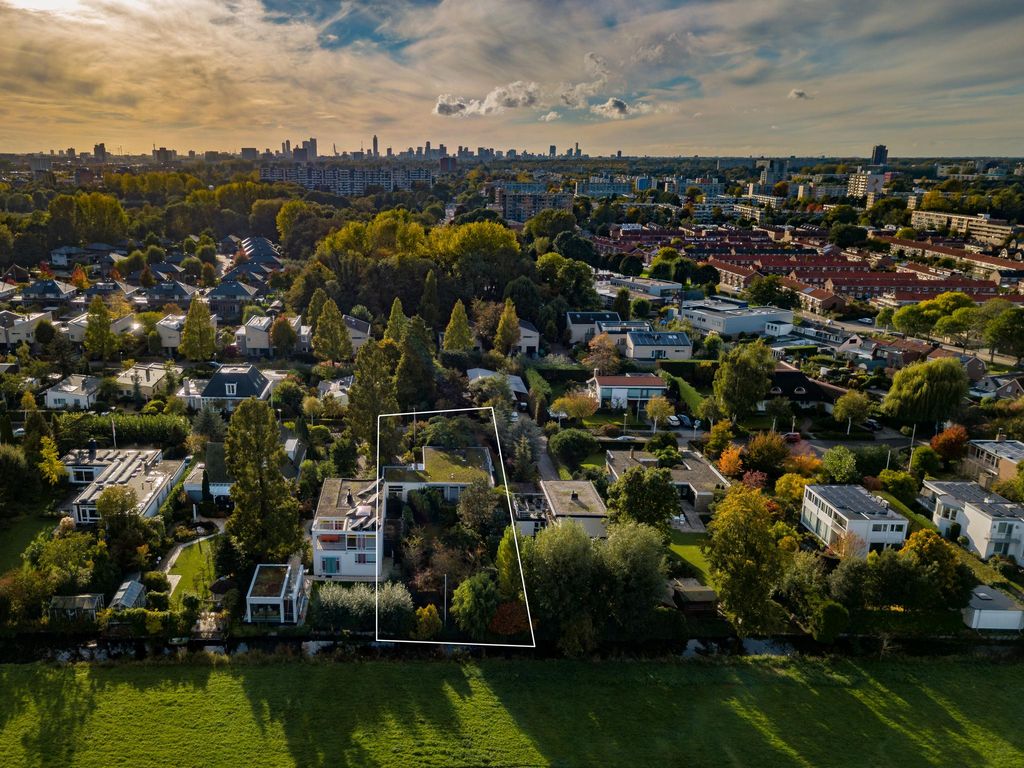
<point x="644" y="380"/>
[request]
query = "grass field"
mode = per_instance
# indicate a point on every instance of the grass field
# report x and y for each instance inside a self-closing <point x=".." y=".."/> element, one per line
<point x="195" y="566"/>
<point x="595" y="461"/>
<point x="777" y="713"/>
<point x="16" y="534"/>
<point x="687" y="546"/>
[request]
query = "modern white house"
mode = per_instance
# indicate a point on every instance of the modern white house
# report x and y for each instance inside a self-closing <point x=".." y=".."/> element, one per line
<point x="626" y="391"/>
<point x="529" y="340"/>
<point x="577" y="501"/>
<point x="694" y="477"/>
<point x="169" y="328"/>
<point x="989" y="461"/>
<point x="993" y="525"/>
<point x="277" y="595"/>
<point x="74" y="392"/>
<point x="832" y="512"/>
<point x="447" y="470"/>
<point x="253" y="338"/>
<point x="347" y="545"/>
<point x="582" y="326"/>
<point x="150" y="377"/>
<point x="16" y="328"/>
<point x="728" y="317"/>
<point x="75" y="327"/>
<point x="649" y="346"/>
<point x="144" y="470"/>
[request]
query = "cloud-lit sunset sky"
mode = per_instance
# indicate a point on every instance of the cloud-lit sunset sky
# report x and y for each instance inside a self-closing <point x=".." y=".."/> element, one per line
<point x="925" y="77"/>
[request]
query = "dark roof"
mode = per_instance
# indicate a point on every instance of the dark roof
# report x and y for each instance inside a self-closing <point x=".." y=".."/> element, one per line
<point x="356" y="324"/>
<point x="592" y="317"/>
<point x="248" y="381"/>
<point x="48" y="288"/>
<point x="231" y="289"/>
<point x="659" y="338"/>
<point x="787" y="381"/>
<point x="171" y="289"/>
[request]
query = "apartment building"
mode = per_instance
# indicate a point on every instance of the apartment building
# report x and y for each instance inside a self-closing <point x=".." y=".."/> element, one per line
<point x="979" y="226"/>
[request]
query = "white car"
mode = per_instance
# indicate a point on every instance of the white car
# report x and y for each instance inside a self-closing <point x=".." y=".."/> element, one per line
<point x="673" y="421"/>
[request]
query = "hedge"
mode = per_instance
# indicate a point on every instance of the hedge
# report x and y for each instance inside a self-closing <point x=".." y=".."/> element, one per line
<point x="693" y="371"/>
<point x="562" y="375"/>
<point x="74" y="430"/>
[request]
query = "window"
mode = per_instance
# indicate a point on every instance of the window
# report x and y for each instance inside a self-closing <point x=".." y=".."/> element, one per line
<point x="230" y="389"/>
<point x="330" y="566"/>
<point x="351" y="542"/>
<point x="877" y="527"/>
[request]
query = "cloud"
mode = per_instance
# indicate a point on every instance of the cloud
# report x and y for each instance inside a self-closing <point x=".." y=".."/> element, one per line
<point x="550" y="117"/>
<point x="576" y="95"/>
<point x="617" y="109"/>
<point x="798" y="93"/>
<point x="512" y="96"/>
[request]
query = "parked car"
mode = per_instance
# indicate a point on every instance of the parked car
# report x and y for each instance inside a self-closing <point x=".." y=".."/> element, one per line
<point x="685" y="421"/>
<point x="867" y="320"/>
<point x="792" y="437"/>
<point x="872" y="424"/>
<point x="673" y="421"/>
<point x="625" y="438"/>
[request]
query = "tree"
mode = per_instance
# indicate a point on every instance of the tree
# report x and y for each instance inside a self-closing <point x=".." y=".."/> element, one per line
<point x="925" y="461"/>
<point x="264" y="526"/>
<point x="457" y="336"/>
<point x="282" y="335"/>
<point x="50" y="466"/>
<point x="744" y="559"/>
<point x="549" y="223"/>
<point x="789" y="490"/>
<point x="719" y="438"/>
<point x="829" y="620"/>
<point x="951" y="443"/>
<point x="603" y="354"/>
<point x="474" y="604"/>
<point x="331" y="340"/>
<point x="198" y="338"/>
<point x="852" y="407"/>
<point x="840" y="464"/>
<point x="128" y="535"/>
<point x="913" y="320"/>
<point x="316" y="306"/>
<point x="743" y="377"/>
<point x="730" y="463"/>
<point x="769" y="291"/>
<point x="572" y="446"/>
<point x="929" y="391"/>
<point x="766" y="452"/>
<point x="209" y="424"/>
<point x="507" y="336"/>
<point x="633" y="557"/>
<point x="78" y="278"/>
<point x="209" y="275"/>
<point x="1006" y="333"/>
<point x="576" y="404"/>
<point x="414" y="377"/>
<point x="100" y="341"/>
<point x="644" y="495"/>
<point x="373" y="393"/>
<point x="430" y="309"/>
<point x="622" y="303"/>
<point x="506" y="562"/>
<point x="947" y="579"/>
<point x="847" y="235"/>
<point x="397" y="322"/>
<point x="902" y="485"/>
<point x="658" y="408"/>
<point x="428" y="623"/>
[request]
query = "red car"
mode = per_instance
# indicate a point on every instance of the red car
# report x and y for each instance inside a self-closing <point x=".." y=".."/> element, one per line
<point x="792" y="437"/>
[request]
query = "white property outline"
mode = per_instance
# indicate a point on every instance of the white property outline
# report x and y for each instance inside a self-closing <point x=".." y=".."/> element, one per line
<point x="512" y="522"/>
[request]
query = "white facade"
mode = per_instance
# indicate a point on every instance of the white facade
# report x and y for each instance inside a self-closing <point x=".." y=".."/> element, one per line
<point x="832" y="512"/>
<point x="75" y="327"/>
<point x="646" y="346"/>
<point x="991" y="609"/>
<point x="529" y="340"/>
<point x="170" y="328"/>
<point x="728" y="318"/>
<point x="16" y="328"/>
<point x="277" y="595"/>
<point x="347" y="545"/>
<point x="75" y="392"/>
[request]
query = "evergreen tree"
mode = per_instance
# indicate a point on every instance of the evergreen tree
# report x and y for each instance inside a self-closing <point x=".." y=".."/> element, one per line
<point x="198" y="339"/>
<point x="397" y="322"/>
<point x="373" y="393"/>
<point x="316" y="306"/>
<point x="510" y="583"/>
<point x="457" y="336"/>
<point x="507" y="335"/>
<point x="100" y="341"/>
<point x="331" y="340"/>
<point x="429" y="309"/>
<point x="209" y="424"/>
<point x="282" y="335"/>
<point x="264" y="526"/>
<point x="414" y="378"/>
<point x="622" y="303"/>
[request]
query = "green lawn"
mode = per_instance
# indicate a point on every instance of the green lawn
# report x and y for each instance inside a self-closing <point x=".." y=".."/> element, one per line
<point x="687" y="546"/>
<point x="601" y="418"/>
<point x="195" y="566"/>
<point x="595" y="461"/>
<point x="742" y="712"/>
<point x="16" y="534"/>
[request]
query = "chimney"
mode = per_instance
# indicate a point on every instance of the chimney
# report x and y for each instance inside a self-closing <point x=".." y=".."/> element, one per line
<point x="348" y="498"/>
<point x="1000" y="437"/>
<point x="92" y="449"/>
<point x="574" y="496"/>
<point x="147" y="375"/>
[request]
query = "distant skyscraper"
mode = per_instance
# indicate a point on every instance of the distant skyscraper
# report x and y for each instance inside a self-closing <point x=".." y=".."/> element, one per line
<point x="310" y="147"/>
<point x="552" y="150"/>
<point x="879" y="155"/>
<point x="375" y="152"/>
<point x="99" y="151"/>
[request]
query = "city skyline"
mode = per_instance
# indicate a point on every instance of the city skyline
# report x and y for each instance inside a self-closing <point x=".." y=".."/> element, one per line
<point x="649" y="78"/>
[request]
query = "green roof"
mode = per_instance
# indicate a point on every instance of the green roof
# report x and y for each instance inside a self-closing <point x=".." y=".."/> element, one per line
<point x="441" y="465"/>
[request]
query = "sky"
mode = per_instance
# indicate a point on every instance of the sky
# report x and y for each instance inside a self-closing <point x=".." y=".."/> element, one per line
<point x="648" y="77"/>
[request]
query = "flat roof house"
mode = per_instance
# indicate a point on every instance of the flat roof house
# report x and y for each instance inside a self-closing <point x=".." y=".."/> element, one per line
<point x="169" y="328"/>
<point x="150" y="377"/>
<point x="694" y="477"/>
<point x="650" y="346"/>
<point x="989" y="461"/>
<point x="16" y="328"/>
<point x="277" y="595"/>
<point x="993" y="525"/>
<point x="448" y="470"/>
<point x="74" y="392"/>
<point x="143" y="469"/>
<point x="347" y="545"/>
<point x="578" y="501"/>
<point x="626" y="391"/>
<point x="253" y="338"/>
<point x="729" y="317"/>
<point x="582" y="326"/>
<point x="75" y="327"/>
<point x="832" y="512"/>
<point x="991" y="609"/>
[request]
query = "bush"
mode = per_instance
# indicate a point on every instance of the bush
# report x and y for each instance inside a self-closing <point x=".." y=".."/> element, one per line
<point x="157" y="601"/>
<point x="926" y="461"/>
<point x="156" y="581"/>
<point x="572" y="446"/>
<point x="662" y="440"/>
<point x="428" y="623"/>
<point x="902" y="485"/>
<point x="829" y="620"/>
<point x="397" y="615"/>
<point x="611" y="430"/>
<point x="75" y="429"/>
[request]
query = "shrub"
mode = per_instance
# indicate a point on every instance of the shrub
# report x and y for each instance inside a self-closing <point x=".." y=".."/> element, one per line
<point x="951" y="443"/>
<point x="428" y="623"/>
<point x="396" y="614"/>
<point x="902" y="485"/>
<point x="766" y="452"/>
<point x="156" y="581"/>
<point x="75" y="429"/>
<point x="157" y="601"/>
<point x="662" y="440"/>
<point x="828" y="621"/>
<point x="611" y="430"/>
<point x="572" y="446"/>
<point x="926" y="461"/>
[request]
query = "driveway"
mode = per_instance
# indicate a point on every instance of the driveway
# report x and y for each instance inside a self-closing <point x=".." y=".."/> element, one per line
<point x="545" y="465"/>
